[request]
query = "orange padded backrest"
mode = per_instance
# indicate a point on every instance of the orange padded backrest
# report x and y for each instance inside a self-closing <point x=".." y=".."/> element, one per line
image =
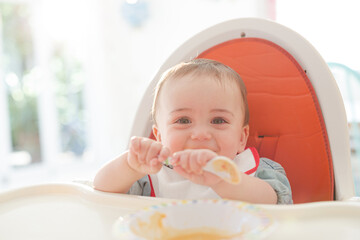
<point x="286" y="123"/>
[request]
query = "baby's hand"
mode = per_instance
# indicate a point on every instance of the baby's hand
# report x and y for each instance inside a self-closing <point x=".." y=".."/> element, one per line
<point x="146" y="155"/>
<point x="189" y="163"/>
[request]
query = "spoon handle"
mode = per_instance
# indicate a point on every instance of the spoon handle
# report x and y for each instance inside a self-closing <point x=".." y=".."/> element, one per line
<point x="167" y="163"/>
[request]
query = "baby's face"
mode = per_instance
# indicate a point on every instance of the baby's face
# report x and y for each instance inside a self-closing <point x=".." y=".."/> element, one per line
<point x="201" y="113"/>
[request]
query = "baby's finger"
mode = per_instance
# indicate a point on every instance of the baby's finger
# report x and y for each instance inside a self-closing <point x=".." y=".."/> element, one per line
<point x="135" y="144"/>
<point x="191" y="176"/>
<point x="155" y="166"/>
<point x="204" y="156"/>
<point x="182" y="172"/>
<point x="184" y="161"/>
<point x="195" y="164"/>
<point x="154" y="151"/>
<point x="144" y="148"/>
<point x="164" y="154"/>
<point x="175" y="159"/>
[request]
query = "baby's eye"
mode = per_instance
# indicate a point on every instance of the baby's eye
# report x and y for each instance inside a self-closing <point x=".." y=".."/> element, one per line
<point x="183" y="120"/>
<point x="218" y="121"/>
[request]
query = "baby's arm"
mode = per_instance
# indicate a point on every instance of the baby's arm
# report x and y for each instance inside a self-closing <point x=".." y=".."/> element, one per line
<point x="250" y="189"/>
<point x="143" y="157"/>
<point x="116" y="176"/>
<point x="189" y="164"/>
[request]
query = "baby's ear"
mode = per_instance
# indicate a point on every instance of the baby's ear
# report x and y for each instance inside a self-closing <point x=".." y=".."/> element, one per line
<point x="156" y="133"/>
<point x="243" y="138"/>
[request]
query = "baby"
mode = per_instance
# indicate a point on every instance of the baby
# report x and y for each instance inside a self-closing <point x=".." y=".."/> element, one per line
<point x="199" y="111"/>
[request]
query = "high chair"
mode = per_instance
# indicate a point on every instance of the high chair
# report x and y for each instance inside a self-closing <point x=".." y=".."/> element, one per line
<point x="297" y="115"/>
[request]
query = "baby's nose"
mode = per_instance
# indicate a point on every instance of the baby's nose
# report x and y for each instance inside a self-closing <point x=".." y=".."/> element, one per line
<point x="200" y="133"/>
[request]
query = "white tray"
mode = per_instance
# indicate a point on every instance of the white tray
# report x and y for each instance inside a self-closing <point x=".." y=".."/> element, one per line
<point x="76" y="211"/>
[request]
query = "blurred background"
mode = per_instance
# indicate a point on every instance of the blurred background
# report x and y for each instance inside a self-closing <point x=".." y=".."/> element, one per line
<point x="72" y="72"/>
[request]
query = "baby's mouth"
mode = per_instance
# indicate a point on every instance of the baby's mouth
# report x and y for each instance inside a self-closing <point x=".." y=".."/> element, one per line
<point x="214" y="149"/>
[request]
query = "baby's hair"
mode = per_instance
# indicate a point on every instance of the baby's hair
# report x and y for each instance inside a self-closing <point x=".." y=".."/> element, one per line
<point x="198" y="67"/>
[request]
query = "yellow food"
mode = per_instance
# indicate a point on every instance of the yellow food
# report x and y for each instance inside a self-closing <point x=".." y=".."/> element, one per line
<point x="221" y="165"/>
<point x="201" y="234"/>
<point x="155" y="230"/>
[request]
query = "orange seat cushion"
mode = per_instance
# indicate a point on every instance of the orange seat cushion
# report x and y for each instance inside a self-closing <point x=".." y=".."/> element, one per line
<point x="286" y="123"/>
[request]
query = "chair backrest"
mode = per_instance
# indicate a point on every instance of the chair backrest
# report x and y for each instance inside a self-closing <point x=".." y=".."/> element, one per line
<point x="297" y="116"/>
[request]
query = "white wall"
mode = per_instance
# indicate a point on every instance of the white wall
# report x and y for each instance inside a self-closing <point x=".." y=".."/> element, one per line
<point x="331" y="26"/>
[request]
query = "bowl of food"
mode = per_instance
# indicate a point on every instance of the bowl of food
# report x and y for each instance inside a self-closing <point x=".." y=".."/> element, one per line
<point x="195" y="219"/>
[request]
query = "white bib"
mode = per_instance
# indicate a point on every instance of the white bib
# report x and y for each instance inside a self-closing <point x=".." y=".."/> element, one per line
<point x="169" y="184"/>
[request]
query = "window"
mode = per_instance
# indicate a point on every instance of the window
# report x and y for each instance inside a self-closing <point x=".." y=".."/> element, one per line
<point x="18" y="64"/>
<point x="42" y="89"/>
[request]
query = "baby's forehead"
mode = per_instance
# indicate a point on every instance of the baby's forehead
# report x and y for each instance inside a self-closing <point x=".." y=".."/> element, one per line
<point x="223" y="81"/>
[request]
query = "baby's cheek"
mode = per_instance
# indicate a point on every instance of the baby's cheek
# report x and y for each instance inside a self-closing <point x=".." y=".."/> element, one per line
<point x="230" y="150"/>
